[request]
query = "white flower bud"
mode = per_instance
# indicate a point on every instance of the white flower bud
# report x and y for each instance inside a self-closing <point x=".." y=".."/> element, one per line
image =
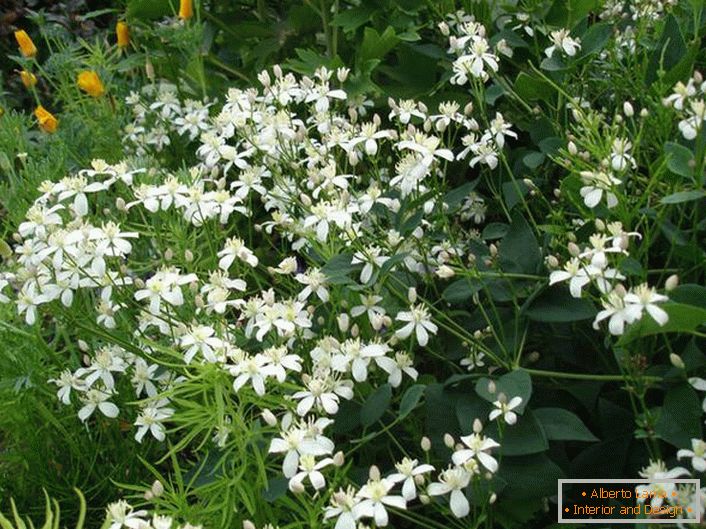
<point x="425" y="443"/>
<point x="120" y="204"/>
<point x="355" y="330"/>
<point x="374" y="473"/>
<point x="247" y="524"/>
<point x="444" y="29"/>
<point x="157" y="488"/>
<point x="149" y="70"/>
<point x="628" y="110"/>
<point x="343" y="322"/>
<point x="320" y="320"/>
<point x="189" y="256"/>
<point x="339" y="459"/>
<point x="477" y="426"/>
<point x="83" y="346"/>
<point x="600" y="225"/>
<point x="296" y="487"/>
<point x="492" y="388"/>
<point x="424" y="499"/>
<point x="445" y="272"/>
<point x="574" y="250"/>
<point x="277" y="70"/>
<point x="552" y="261"/>
<point x="493" y="498"/>
<point x="671" y="283"/>
<point x="168" y="254"/>
<point x="419" y="479"/>
<point x="573" y="150"/>
<point x="676" y="361"/>
<point x="148" y="495"/>
<point x="412" y="294"/>
<point x="269" y="417"/>
<point x="449" y="440"/>
<point x="644" y="113"/>
<point x="342" y="74"/>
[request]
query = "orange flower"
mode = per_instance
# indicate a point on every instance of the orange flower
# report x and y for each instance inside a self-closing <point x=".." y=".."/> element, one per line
<point x="47" y="121"/>
<point x="27" y="47"/>
<point x="123" y="34"/>
<point x="89" y="82"/>
<point x="28" y="78"/>
<point x="186" y="9"/>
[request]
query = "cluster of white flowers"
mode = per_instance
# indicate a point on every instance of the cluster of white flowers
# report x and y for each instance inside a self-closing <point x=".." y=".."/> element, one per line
<point x="685" y="495"/>
<point x="688" y="100"/>
<point x="592" y="265"/>
<point x="121" y="514"/>
<point x="468" y="41"/>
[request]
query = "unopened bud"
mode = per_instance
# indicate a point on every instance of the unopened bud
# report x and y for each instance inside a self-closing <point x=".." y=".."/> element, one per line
<point x="493" y="498"/>
<point x="425" y="443"/>
<point x="449" y="440"/>
<point x="644" y="113"/>
<point x="628" y="110"/>
<point x="533" y="357"/>
<point x="552" y="261"/>
<point x="477" y="426"/>
<point x="83" y="346"/>
<point x="419" y="479"/>
<point x="424" y="499"/>
<point x="269" y="417"/>
<point x="445" y="272"/>
<point x="573" y="150"/>
<point x="157" y="488"/>
<point x="189" y="256"/>
<point x="247" y="524"/>
<point x="296" y="487"/>
<point x="355" y="330"/>
<point x="339" y="459"/>
<point x="491" y="387"/>
<point x="574" y="250"/>
<point x="676" y="361"/>
<point x="199" y="302"/>
<point x="306" y="201"/>
<point x="168" y="254"/>
<point x="412" y="294"/>
<point x="149" y="70"/>
<point x="374" y="473"/>
<point x="671" y="283"/>
<point x="493" y="250"/>
<point x="343" y="322"/>
<point x="600" y="225"/>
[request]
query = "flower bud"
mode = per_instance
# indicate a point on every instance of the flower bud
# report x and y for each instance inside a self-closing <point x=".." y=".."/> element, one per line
<point x="600" y="225"/>
<point x="296" y="487"/>
<point x="269" y="417"/>
<point x="339" y="459"/>
<point x="247" y="524"/>
<point x="644" y="113"/>
<point x="374" y="473"/>
<point x="493" y="498"/>
<point x="424" y="499"/>
<point x="425" y="443"/>
<point x="199" y="302"/>
<point x="574" y="250"/>
<point x="444" y="29"/>
<point x="573" y="150"/>
<point x="445" y="272"/>
<point x="628" y="110"/>
<point x="671" y="283"/>
<point x="343" y="322"/>
<point x="491" y="387"/>
<point x="552" y="261"/>
<point x="676" y="361"/>
<point x="342" y="74"/>
<point x="449" y="440"/>
<point x="168" y="254"/>
<point x="157" y="488"/>
<point x="477" y="425"/>
<point x="355" y="330"/>
<point x="149" y="70"/>
<point x="189" y="256"/>
<point x="83" y="346"/>
<point x="412" y="294"/>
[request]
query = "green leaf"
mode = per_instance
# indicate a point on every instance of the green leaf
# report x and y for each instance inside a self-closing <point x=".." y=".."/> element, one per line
<point x="533" y="476"/>
<point x="337" y="269"/>
<point x="461" y="290"/>
<point x="517" y="383"/>
<point x="689" y="294"/>
<point x="680" y="159"/>
<point x="410" y="399"/>
<point x="519" y="251"/>
<point x="494" y="230"/>
<point x="531" y="88"/>
<point x="669" y="51"/>
<point x="680" y="418"/>
<point x="351" y="19"/>
<point x="525" y="437"/>
<point x="555" y="63"/>
<point x="533" y="159"/>
<point x="375" y="405"/>
<point x="562" y="425"/>
<point x="375" y="45"/>
<point x="492" y="93"/>
<point x="683" y="196"/>
<point x="566" y="13"/>
<point x="556" y="305"/>
<point x="682" y="318"/>
<point x="151" y="9"/>
<point x="595" y="38"/>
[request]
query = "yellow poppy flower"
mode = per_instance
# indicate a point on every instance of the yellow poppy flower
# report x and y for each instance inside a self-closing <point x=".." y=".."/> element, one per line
<point x="47" y="121"/>
<point x="123" y="34"/>
<point x="27" y="47"/>
<point x="28" y="78"/>
<point x="186" y="9"/>
<point x="89" y="82"/>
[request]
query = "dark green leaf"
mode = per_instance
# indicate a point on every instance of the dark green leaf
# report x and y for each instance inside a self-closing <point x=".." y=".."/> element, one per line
<point x="351" y="19"/>
<point x="680" y="418"/>
<point x="562" y="425"/>
<point x="410" y="399"/>
<point x="525" y="437"/>
<point x="556" y="305"/>
<point x="680" y="159"/>
<point x="517" y="383"/>
<point x="519" y="251"/>
<point x="375" y="405"/>
<point x="683" y="196"/>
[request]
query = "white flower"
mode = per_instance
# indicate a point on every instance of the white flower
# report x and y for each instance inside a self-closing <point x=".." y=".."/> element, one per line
<point x="150" y="419"/>
<point x="309" y="468"/>
<point x="66" y="382"/>
<point x="252" y="369"/>
<point x="453" y="480"/>
<point x="505" y="409"/>
<point x="121" y="514"/>
<point x="697" y="453"/>
<point x="598" y="183"/>
<point x="315" y="282"/>
<point x="407" y="470"/>
<point x="235" y="247"/>
<point x="200" y="339"/>
<point x="615" y="309"/>
<point x="93" y="399"/>
<point x="372" y="258"/>
<point x="658" y="492"/>
<point x="562" y="41"/>
<point x="343" y="503"/>
<point x="295" y="442"/>
<point x="375" y="498"/>
<point x="477" y="445"/>
<point x="323" y="393"/>
<point x="642" y="297"/>
<point x="419" y="322"/>
<point x="620" y="157"/>
<point x="402" y="363"/>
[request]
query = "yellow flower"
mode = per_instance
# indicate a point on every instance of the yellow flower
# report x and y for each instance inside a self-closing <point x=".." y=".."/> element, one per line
<point x="27" y="47"/>
<point x="123" y="34"/>
<point x="47" y="121"/>
<point x="28" y="78"/>
<point x="186" y="9"/>
<point x="89" y="82"/>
